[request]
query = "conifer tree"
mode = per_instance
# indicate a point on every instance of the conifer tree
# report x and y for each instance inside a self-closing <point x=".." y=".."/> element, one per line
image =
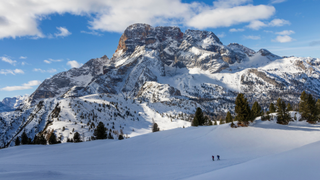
<point x="312" y="114"/>
<point x="195" y="122"/>
<point x="155" y="127"/>
<point x="215" y="123"/>
<point x="120" y="137"/>
<point x="283" y="116"/>
<point x="24" y="138"/>
<point x="308" y="108"/>
<point x="303" y="105"/>
<point x="233" y="125"/>
<point x="76" y="137"/>
<point x="198" y="117"/>
<point x="272" y="109"/>
<point x="100" y="131"/>
<point x="318" y="108"/>
<point x="289" y="107"/>
<point x="228" y="117"/>
<point x="256" y="110"/>
<point x="53" y="139"/>
<point x="242" y="110"/>
<point x="17" y="142"/>
<point x="110" y="136"/>
<point x="210" y="123"/>
<point x="42" y="140"/>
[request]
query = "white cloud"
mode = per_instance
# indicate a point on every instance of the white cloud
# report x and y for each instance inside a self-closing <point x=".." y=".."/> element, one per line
<point x="256" y="25"/>
<point x="279" y="22"/>
<point x="44" y="71"/>
<point x="252" y="37"/>
<point x="22" y="57"/>
<point x="8" y="60"/>
<point x="236" y="30"/>
<point x="51" y="70"/>
<point x="92" y="33"/>
<point x="18" y="71"/>
<point x="22" y="17"/>
<point x="221" y="35"/>
<point x="229" y="3"/>
<point x="63" y="32"/>
<point x="277" y="1"/>
<point x="285" y="32"/>
<point x="266" y="31"/>
<point x="49" y="61"/>
<point x="283" y="39"/>
<point x="74" y="64"/>
<point x="13" y="72"/>
<point x="225" y="17"/>
<point x="24" y="86"/>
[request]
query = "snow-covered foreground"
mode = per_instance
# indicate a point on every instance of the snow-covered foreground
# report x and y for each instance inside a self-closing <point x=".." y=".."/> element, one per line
<point x="264" y="150"/>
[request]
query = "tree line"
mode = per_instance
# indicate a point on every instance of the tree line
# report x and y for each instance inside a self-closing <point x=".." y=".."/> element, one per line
<point x="309" y="109"/>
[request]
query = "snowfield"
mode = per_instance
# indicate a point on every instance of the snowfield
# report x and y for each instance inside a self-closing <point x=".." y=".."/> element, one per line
<point x="265" y="150"/>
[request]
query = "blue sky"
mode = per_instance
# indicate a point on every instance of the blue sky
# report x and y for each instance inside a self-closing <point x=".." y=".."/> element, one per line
<point x="41" y="38"/>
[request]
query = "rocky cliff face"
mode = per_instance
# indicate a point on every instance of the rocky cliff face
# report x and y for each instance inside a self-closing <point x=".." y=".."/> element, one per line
<point x="62" y="82"/>
<point x="161" y="73"/>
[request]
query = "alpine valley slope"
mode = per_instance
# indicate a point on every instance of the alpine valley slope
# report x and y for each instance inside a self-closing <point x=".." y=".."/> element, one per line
<point x="264" y="150"/>
<point x="158" y="74"/>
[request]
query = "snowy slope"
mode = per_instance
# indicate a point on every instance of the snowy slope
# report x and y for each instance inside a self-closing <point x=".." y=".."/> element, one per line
<point x="10" y="104"/>
<point x="4" y="108"/>
<point x="264" y="150"/>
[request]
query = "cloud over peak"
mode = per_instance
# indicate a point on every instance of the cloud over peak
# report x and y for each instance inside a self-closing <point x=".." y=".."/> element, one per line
<point x="74" y="64"/>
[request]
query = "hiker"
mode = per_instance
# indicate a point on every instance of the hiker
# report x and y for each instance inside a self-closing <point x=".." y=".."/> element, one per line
<point x="212" y="158"/>
<point x="218" y="157"/>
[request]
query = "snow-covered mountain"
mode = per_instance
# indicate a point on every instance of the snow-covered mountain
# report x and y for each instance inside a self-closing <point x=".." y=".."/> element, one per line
<point x="11" y="104"/>
<point x="4" y="108"/>
<point x="158" y="74"/>
<point x="14" y="102"/>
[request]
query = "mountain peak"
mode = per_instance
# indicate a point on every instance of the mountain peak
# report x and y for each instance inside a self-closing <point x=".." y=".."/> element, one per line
<point x="143" y="34"/>
<point x="268" y="54"/>
<point x="201" y="35"/>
